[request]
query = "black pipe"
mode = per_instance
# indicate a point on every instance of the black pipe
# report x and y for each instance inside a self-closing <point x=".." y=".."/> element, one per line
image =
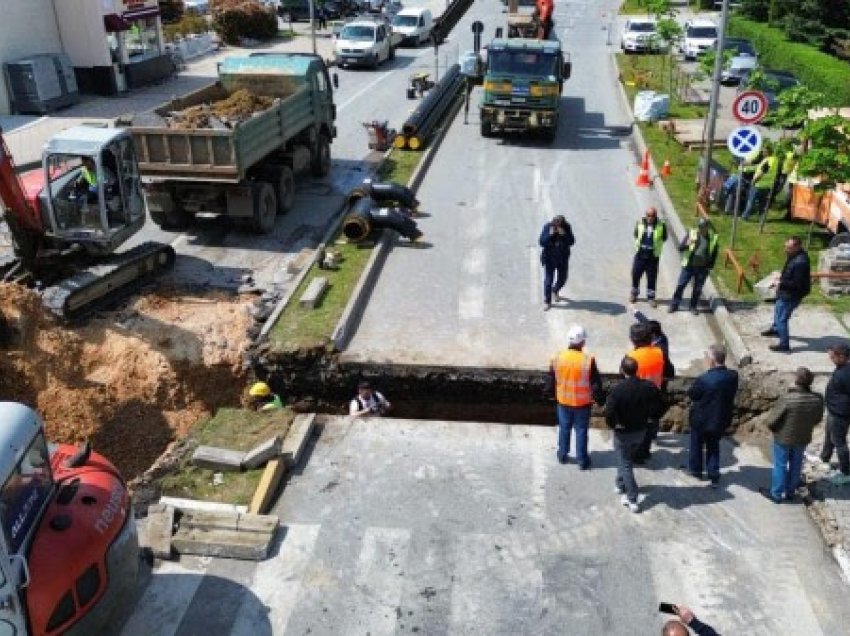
<point x="357" y="223"/>
<point x="391" y="193"/>
<point x="396" y="219"/>
<point x="429" y="123"/>
<point x="434" y="96"/>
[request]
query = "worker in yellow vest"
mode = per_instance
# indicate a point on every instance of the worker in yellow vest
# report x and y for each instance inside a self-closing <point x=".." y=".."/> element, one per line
<point x="650" y="233"/>
<point x="758" y="200"/>
<point x="650" y="366"/>
<point x="699" y="253"/>
<point x="577" y="386"/>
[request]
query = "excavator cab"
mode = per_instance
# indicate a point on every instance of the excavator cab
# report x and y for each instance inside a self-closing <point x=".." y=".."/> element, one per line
<point x="92" y="197"/>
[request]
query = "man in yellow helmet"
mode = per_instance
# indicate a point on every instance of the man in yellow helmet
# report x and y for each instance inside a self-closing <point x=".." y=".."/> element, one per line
<point x="263" y="397"/>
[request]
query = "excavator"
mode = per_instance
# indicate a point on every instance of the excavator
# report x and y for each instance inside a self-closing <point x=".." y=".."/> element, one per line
<point x="68" y="218"/>
<point x="69" y="554"/>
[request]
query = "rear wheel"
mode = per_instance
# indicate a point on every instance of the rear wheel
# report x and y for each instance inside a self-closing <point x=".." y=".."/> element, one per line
<point x="285" y="190"/>
<point x="321" y="163"/>
<point x="486" y="129"/>
<point x="169" y="213"/>
<point x="265" y="208"/>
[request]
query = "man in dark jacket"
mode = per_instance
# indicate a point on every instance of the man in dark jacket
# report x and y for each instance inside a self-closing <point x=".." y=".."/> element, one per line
<point x="792" y="420"/>
<point x="556" y="239"/>
<point x="686" y="620"/>
<point x="649" y="234"/>
<point x="699" y="253"/>
<point x="630" y="406"/>
<point x="713" y="396"/>
<point x="794" y="284"/>
<point x="838" y="413"/>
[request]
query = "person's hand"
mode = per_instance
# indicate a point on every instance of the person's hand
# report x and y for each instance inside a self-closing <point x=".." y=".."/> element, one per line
<point x="684" y="613"/>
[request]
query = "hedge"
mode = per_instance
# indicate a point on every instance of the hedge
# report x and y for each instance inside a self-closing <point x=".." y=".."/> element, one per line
<point x="237" y="19"/>
<point x="818" y="71"/>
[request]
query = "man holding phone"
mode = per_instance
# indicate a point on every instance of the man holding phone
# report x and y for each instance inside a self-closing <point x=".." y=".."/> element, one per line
<point x="556" y="239"/>
<point x="686" y="620"/>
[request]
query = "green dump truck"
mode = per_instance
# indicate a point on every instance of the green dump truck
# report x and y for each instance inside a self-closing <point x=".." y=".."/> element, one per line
<point x="195" y="156"/>
<point x="522" y="87"/>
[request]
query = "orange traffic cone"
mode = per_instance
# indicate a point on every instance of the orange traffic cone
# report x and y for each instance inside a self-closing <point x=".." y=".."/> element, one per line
<point x="665" y="169"/>
<point x="643" y="178"/>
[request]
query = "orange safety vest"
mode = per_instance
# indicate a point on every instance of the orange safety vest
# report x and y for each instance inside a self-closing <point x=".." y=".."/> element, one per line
<point x="572" y="377"/>
<point x="650" y="361"/>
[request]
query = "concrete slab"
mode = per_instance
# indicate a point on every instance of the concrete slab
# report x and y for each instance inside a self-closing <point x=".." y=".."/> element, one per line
<point x="262" y="453"/>
<point x="195" y="504"/>
<point x="314" y="292"/>
<point x="160" y="526"/>
<point x="226" y="535"/>
<point x="220" y="459"/>
<point x="296" y="439"/>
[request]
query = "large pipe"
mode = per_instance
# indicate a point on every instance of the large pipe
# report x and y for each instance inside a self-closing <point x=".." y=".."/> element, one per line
<point x="357" y="224"/>
<point x="418" y="140"/>
<point x="388" y="193"/>
<point x="431" y="100"/>
<point x="363" y="217"/>
<point x="396" y="219"/>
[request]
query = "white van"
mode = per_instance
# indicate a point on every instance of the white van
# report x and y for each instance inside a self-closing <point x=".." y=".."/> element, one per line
<point x="415" y="24"/>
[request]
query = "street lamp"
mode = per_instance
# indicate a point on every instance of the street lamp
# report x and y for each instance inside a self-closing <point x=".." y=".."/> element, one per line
<point x="715" y="96"/>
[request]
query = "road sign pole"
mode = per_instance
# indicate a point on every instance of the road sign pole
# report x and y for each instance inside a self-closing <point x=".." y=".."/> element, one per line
<point x="737" y="202"/>
<point x="715" y="96"/>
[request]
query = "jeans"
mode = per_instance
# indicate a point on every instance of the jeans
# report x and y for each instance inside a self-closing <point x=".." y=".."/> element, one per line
<point x="781" y="314"/>
<point x="787" y="470"/>
<point x="704" y="450"/>
<point x="649" y="436"/>
<point x="835" y="439"/>
<point x="755" y="200"/>
<point x="626" y="444"/>
<point x="557" y="272"/>
<point x="570" y="417"/>
<point x="699" y="274"/>
<point x="649" y="266"/>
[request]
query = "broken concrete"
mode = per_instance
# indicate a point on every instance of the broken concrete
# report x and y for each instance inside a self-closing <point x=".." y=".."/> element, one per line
<point x="160" y="525"/>
<point x="214" y="458"/>
<point x="262" y="453"/>
<point x="226" y="535"/>
<point x="296" y="440"/>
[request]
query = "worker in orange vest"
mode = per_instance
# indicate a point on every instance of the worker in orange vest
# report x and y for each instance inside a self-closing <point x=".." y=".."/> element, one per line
<point x="577" y="386"/>
<point x="650" y="360"/>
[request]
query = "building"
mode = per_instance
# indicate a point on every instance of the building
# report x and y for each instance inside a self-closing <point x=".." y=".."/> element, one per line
<point x="114" y="45"/>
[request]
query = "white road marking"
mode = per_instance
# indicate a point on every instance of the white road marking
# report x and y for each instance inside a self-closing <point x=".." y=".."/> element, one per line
<point x="167" y="598"/>
<point x="470" y="303"/>
<point x="365" y="89"/>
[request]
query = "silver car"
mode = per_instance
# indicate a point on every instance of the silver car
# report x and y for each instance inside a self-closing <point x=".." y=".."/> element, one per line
<point x="738" y="67"/>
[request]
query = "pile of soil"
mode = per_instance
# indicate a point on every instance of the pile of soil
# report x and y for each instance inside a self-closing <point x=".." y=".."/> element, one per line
<point x="131" y="381"/>
<point x="238" y="107"/>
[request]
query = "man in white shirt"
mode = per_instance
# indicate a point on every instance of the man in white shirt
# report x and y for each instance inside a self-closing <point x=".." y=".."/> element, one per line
<point x="368" y="402"/>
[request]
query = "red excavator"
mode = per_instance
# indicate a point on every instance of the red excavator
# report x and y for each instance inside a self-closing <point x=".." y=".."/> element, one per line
<point x="68" y="218"/>
<point x="69" y="554"/>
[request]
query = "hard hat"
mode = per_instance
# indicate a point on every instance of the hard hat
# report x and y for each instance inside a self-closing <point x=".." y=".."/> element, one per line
<point x="260" y="389"/>
<point x="576" y="335"/>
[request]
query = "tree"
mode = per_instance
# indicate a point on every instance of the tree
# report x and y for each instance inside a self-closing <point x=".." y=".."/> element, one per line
<point x="668" y="31"/>
<point x="793" y="106"/>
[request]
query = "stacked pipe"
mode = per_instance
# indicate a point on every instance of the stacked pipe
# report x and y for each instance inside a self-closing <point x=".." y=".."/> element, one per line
<point x="421" y="124"/>
<point x="369" y="208"/>
<point x="446" y="22"/>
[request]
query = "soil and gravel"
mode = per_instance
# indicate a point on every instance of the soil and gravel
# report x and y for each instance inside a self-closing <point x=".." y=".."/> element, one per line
<point x="238" y="107"/>
<point x="132" y="381"/>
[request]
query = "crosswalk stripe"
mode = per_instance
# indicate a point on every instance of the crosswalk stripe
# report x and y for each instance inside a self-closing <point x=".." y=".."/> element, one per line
<point x="169" y="594"/>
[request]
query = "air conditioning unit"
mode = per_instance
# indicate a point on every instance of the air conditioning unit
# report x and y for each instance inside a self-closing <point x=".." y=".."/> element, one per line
<point x="41" y="83"/>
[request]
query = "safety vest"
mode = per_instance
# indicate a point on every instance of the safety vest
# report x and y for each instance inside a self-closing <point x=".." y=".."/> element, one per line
<point x="692" y="241"/>
<point x="90" y="176"/>
<point x="767" y="171"/>
<point x="789" y="162"/>
<point x="657" y="237"/>
<point x="274" y="404"/>
<point x="650" y="361"/>
<point x="572" y="377"/>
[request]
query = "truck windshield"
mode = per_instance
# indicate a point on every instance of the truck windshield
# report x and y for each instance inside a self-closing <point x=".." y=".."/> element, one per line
<point x="25" y="493"/>
<point x="532" y="63"/>
<point x="405" y="21"/>
<point x="358" y="33"/>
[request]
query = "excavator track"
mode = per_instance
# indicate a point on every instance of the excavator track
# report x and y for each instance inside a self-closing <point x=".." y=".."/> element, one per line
<point x="99" y="285"/>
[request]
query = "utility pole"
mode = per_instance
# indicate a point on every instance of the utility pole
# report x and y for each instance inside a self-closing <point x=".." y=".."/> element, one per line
<point x="715" y="95"/>
<point x="313" y="24"/>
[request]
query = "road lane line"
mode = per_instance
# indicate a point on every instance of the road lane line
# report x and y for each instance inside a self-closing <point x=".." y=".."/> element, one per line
<point x="365" y="89"/>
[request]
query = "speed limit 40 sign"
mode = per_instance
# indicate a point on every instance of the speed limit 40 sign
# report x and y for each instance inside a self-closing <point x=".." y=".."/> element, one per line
<point x="750" y="107"/>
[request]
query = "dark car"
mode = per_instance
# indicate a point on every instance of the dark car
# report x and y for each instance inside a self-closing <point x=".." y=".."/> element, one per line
<point x="772" y="83"/>
<point x="294" y="10"/>
<point x="738" y="46"/>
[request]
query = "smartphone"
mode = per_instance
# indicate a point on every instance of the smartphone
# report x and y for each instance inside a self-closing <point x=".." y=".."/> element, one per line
<point x="666" y="608"/>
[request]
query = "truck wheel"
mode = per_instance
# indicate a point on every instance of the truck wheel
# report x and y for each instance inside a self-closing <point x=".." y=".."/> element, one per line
<point x="321" y="163"/>
<point x="265" y="208"/>
<point x="486" y="129"/>
<point x="549" y="134"/>
<point x="285" y="190"/>
<point x="168" y="213"/>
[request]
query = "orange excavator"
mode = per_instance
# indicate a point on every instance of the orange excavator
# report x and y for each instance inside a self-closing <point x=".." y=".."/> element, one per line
<point x="69" y="554"/>
<point x="68" y="218"/>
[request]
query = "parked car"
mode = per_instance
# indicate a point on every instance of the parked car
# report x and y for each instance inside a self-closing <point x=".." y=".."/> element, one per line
<point x="737" y="68"/>
<point x="770" y="82"/>
<point x="738" y="46"/>
<point x="640" y="36"/>
<point x="699" y="36"/>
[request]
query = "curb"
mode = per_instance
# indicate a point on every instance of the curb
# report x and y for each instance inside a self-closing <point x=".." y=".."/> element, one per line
<point x="719" y="311"/>
<point x="356" y="305"/>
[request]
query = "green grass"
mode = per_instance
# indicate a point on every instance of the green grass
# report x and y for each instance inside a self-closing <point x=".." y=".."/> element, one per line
<point x="638" y="7"/>
<point x="302" y="328"/>
<point x="651" y="72"/>
<point x="237" y="429"/>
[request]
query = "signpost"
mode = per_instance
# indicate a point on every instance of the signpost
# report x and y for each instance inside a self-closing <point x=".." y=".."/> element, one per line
<point x="750" y="107"/>
<point x="742" y="142"/>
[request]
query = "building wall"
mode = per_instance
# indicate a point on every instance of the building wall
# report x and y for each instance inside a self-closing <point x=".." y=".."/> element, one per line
<point x="27" y="27"/>
<point x="83" y="35"/>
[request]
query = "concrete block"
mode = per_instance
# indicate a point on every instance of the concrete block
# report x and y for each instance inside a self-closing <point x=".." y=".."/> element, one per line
<point x="225" y="534"/>
<point x="303" y="259"/>
<point x="214" y="458"/>
<point x="296" y="439"/>
<point x="160" y="525"/>
<point x="262" y="453"/>
<point x="196" y="504"/>
<point x="314" y="292"/>
<point x="268" y="486"/>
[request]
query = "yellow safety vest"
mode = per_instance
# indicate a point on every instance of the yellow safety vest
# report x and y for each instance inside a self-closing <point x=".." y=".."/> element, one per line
<point x="90" y="176"/>
<point x="692" y="238"/>
<point x="657" y="237"/>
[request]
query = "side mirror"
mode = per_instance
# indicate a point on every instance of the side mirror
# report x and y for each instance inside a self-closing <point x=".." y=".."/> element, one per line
<point x="568" y="69"/>
<point x="335" y="80"/>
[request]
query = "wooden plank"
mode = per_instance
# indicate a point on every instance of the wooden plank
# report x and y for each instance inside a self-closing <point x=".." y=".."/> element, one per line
<point x="267" y="488"/>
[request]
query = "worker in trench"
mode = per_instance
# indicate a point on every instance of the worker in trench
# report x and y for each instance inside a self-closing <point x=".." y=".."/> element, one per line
<point x="263" y="399"/>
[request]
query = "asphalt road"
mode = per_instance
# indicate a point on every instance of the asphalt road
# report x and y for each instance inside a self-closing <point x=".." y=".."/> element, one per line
<point x="400" y="527"/>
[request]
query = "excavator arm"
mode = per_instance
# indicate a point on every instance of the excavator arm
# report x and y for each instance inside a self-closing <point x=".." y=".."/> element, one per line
<point x="22" y="219"/>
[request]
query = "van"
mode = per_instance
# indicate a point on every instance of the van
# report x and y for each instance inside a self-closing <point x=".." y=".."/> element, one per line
<point x="415" y="25"/>
<point x="700" y="35"/>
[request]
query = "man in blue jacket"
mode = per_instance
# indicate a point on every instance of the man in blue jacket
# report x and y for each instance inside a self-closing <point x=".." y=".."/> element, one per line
<point x="794" y="284"/>
<point x="556" y="238"/>
<point x="712" y="399"/>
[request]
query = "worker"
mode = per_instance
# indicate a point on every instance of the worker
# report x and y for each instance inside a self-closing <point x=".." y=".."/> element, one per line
<point x="764" y="179"/>
<point x="650" y="233"/>
<point x="730" y="186"/>
<point x="650" y="366"/>
<point x="699" y="252"/>
<point x="368" y="402"/>
<point x="264" y="399"/>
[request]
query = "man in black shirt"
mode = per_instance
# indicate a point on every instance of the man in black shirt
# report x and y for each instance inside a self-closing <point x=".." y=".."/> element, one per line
<point x="838" y="413"/>
<point x="794" y="284"/>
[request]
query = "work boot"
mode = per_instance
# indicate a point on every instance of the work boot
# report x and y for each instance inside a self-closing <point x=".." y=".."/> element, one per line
<point x="547" y="306"/>
<point x="633" y="298"/>
<point x="779" y="348"/>
<point x="769" y="332"/>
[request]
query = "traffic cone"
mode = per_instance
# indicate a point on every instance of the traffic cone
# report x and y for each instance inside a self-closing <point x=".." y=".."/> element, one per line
<point x="643" y="178"/>
<point x="665" y="169"/>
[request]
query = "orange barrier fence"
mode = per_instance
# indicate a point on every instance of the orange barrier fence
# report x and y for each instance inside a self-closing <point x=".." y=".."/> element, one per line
<point x="753" y="264"/>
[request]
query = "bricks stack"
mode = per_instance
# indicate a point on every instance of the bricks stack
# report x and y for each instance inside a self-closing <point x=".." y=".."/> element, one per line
<point x="835" y="260"/>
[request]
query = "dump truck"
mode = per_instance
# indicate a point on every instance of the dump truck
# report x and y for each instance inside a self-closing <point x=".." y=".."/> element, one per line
<point x="245" y="167"/>
<point x="522" y="87"/>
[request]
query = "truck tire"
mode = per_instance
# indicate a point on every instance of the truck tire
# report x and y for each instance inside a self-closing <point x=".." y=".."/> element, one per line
<point x="486" y="129"/>
<point x="320" y="165"/>
<point x="265" y="208"/>
<point x="169" y="214"/>
<point x="285" y="190"/>
<point x="549" y="134"/>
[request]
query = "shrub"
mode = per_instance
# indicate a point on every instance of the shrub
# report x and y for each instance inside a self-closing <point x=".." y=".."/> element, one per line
<point x="819" y="71"/>
<point x="190" y="23"/>
<point x="236" y="19"/>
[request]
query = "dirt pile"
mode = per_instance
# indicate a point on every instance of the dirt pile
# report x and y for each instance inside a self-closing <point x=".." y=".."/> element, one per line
<point x="131" y="381"/>
<point x="226" y="113"/>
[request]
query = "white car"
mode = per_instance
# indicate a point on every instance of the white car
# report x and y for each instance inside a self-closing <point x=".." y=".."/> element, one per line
<point x="365" y="42"/>
<point x="700" y="35"/>
<point x="414" y="24"/>
<point x="640" y="36"/>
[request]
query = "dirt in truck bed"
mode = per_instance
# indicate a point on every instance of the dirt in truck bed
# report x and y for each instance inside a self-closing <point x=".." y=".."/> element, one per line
<point x="131" y="380"/>
<point x="238" y="107"/>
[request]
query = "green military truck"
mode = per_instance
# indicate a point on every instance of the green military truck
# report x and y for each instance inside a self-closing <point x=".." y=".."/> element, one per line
<point x="522" y="87"/>
<point x="245" y="169"/>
